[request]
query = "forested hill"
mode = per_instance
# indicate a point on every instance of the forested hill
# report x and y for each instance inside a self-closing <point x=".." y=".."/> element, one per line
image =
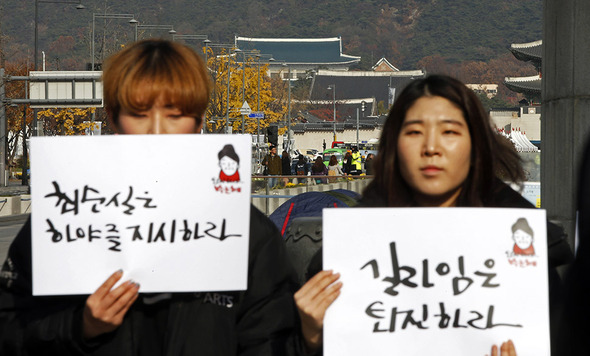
<point x="404" y="31"/>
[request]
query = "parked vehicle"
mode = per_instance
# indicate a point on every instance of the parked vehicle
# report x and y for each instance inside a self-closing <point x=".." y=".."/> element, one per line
<point x="338" y="152"/>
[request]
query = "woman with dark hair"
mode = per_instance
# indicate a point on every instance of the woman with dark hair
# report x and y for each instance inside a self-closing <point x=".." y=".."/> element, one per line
<point x="437" y="149"/>
<point x="369" y="164"/>
<point x="286" y="163"/>
<point x="319" y="169"/>
<point x="487" y="157"/>
<point x="347" y="163"/>
<point x="334" y="169"/>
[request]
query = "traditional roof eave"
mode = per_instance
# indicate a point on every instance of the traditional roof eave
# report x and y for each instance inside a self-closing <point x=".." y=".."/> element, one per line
<point x="530" y="84"/>
<point x="531" y="51"/>
<point x="402" y="73"/>
<point x="338" y="101"/>
<point x="275" y="64"/>
<point x="384" y="60"/>
<point x="330" y="41"/>
<point x="254" y="39"/>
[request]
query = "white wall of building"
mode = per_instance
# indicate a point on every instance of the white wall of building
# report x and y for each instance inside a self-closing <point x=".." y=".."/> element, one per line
<point x="315" y="139"/>
<point x="528" y="123"/>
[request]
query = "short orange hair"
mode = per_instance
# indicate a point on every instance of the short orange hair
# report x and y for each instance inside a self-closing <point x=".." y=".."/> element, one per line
<point x="138" y="75"/>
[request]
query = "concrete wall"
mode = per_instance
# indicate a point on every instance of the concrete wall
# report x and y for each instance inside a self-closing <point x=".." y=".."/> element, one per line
<point x="566" y="105"/>
<point x="530" y="124"/>
<point x="10" y="205"/>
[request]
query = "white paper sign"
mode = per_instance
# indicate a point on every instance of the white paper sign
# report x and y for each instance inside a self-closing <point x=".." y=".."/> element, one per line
<point x="436" y="281"/>
<point x="171" y="211"/>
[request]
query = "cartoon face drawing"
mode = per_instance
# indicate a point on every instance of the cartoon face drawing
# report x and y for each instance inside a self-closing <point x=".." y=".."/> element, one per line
<point x="228" y="166"/>
<point x="229" y="162"/>
<point x="523" y="237"/>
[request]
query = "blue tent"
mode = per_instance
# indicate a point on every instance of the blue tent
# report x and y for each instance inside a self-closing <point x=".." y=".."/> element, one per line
<point x="311" y="204"/>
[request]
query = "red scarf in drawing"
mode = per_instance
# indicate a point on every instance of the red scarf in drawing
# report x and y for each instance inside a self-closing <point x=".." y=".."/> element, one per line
<point x="529" y="251"/>
<point x="233" y="178"/>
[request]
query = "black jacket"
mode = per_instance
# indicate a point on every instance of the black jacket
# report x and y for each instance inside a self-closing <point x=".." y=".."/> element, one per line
<point x="286" y="163"/>
<point x="259" y="321"/>
<point x="559" y="253"/>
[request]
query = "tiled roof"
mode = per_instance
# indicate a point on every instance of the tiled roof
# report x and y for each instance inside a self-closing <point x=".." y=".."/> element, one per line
<point x="532" y="51"/>
<point x="385" y="62"/>
<point x="524" y="84"/>
<point x="353" y="85"/>
<point x="299" y="50"/>
<point x="329" y="126"/>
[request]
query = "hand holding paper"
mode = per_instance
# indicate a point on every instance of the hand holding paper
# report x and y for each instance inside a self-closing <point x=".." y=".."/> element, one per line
<point x="105" y="309"/>
<point x="312" y="300"/>
<point x="507" y="349"/>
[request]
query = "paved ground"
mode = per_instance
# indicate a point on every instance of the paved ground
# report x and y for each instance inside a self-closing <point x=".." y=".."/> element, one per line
<point x="14" y="188"/>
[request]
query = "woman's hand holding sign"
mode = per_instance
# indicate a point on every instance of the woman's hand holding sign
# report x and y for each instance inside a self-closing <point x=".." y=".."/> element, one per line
<point x="506" y="349"/>
<point x="312" y="300"/>
<point x="105" y="309"/>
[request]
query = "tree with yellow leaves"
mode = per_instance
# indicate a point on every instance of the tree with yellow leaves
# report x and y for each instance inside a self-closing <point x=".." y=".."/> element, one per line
<point x="239" y="91"/>
<point x="68" y="121"/>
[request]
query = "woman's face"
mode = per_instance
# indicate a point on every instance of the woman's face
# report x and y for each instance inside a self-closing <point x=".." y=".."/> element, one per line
<point x="161" y="118"/>
<point x="434" y="151"/>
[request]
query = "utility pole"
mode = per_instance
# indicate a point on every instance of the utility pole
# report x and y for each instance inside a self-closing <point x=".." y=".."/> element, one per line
<point x="357" y="127"/>
<point x="3" y="181"/>
<point x="25" y="177"/>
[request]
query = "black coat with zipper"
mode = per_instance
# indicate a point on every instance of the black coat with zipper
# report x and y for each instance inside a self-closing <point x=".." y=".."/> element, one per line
<point x="259" y="321"/>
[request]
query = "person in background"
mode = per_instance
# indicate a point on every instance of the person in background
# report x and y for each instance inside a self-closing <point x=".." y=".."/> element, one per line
<point x="286" y="166"/>
<point x="301" y="168"/>
<point x="369" y="164"/>
<point x="334" y="169"/>
<point x="154" y="87"/>
<point x="275" y="167"/>
<point x="356" y="168"/>
<point x="347" y="163"/>
<point x="319" y="169"/>
<point x="437" y="149"/>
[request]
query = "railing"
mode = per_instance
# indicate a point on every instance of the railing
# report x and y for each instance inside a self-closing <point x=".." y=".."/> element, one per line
<point x="267" y="198"/>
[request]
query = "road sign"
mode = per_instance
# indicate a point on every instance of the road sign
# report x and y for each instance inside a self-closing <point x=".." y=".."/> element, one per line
<point x="256" y="115"/>
<point x="245" y="110"/>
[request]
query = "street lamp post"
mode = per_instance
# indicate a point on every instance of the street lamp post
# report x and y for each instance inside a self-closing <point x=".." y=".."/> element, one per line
<point x="250" y="53"/>
<point x="228" y="77"/>
<point x="270" y="59"/>
<point x="237" y="50"/>
<point x="25" y="176"/>
<point x="79" y="7"/>
<point x="129" y="17"/>
<point x="288" y="146"/>
<point x="258" y="101"/>
<point x="170" y="28"/>
<point x="36" y="54"/>
<point x="229" y="47"/>
<point x="202" y="38"/>
<point x="333" y="88"/>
